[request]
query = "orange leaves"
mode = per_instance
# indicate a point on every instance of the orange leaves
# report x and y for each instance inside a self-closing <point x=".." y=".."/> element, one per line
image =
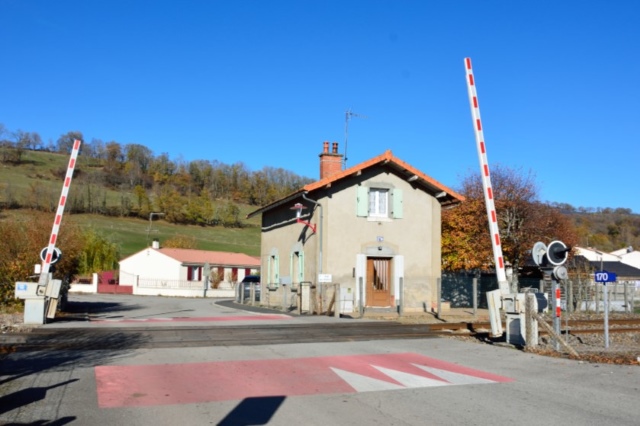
<point x="522" y="220"/>
<point x="24" y="235"/>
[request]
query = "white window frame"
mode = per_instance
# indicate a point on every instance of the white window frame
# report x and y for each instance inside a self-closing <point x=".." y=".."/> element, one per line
<point x="364" y="203"/>
<point x="378" y="201"/>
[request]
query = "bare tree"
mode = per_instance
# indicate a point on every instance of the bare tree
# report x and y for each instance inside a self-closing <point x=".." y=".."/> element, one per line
<point x="138" y="159"/>
<point x="64" y="144"/>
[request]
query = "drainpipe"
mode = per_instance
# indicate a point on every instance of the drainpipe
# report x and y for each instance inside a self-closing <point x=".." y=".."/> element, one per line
<point x="304" y="196"/>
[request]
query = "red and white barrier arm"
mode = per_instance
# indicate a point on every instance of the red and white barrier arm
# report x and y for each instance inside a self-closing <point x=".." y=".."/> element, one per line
<point x="46" y="264"/>
<point x="486" y="180"/>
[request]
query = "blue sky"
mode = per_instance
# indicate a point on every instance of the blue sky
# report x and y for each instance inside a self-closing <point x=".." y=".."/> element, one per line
<point x="266" y="82"/>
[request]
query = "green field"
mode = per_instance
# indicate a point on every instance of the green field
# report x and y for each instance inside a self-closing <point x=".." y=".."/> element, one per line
<point x="133" y="235"/>
<point x="39" y="176"/>
<point x="37" y="182"/>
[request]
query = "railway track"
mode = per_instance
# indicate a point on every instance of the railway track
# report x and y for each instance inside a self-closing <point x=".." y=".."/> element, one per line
<point x="579" y="326"/>
<point x="167" y="337"/>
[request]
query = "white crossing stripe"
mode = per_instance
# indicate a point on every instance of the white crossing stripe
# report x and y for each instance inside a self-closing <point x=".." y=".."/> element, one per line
<point x="363" y="383"/>
<point x="454" y="378"/>
<point x="411" y="380"/>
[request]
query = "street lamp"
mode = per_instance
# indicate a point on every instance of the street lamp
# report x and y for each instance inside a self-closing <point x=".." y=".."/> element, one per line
<point x="157" y="214"/>
<point x="298" y="208"/>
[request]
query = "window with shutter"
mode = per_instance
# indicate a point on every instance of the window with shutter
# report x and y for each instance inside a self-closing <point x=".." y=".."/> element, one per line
<point x="378" y="203"/>
<point x="396" y="196"/>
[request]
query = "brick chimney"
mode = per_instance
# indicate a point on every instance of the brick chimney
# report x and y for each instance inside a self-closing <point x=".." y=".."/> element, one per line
<point x="330" y="162"/>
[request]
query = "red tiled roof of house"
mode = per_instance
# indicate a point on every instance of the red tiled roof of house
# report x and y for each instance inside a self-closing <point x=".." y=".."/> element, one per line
<point x="212" y="257"/>
<point x="389" y="158"/>
<point x="449" y="198"/>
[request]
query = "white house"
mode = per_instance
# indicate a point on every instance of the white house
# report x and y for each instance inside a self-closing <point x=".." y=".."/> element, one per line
<point x="628" y="256"/>
<point x="594" y="255"/>
<point x="185" y="272"/>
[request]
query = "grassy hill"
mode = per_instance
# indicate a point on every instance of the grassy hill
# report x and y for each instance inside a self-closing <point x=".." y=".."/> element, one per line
<point x="132" y="235"/>
<point x="36" y="181"/>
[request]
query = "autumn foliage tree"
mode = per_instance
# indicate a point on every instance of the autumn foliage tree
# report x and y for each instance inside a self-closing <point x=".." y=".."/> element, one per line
<point x="181" y="241"/>
<point x="522" y="220"/>
<point x="24" y="236"/>
<point x="129" y="180"/>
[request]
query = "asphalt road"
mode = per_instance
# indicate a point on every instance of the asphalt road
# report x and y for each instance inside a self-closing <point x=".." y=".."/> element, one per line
<point x="439" y="381"/>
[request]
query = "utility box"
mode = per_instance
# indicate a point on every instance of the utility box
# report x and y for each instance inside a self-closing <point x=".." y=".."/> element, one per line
<point x="514" y="303"/>
<point x="34" y="302"/>
<point x="53" y="289"/>
<point x="25" y="290"/>
<point x="346" y="298"/>
<point x="542" y="302"/>
<point x="34" y="310"/>
<point x="516" y="322"/>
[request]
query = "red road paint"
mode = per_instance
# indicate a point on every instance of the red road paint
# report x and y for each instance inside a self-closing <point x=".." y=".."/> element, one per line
<point x="149" y="385"/>
<point x="263" y="317"/>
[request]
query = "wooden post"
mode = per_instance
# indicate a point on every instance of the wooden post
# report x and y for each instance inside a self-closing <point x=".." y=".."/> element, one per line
<point x="332" y="302"/>
<point x="555" y="335"/>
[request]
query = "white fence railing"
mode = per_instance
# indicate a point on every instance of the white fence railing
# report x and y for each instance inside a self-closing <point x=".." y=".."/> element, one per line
<point x="171" y="284"/>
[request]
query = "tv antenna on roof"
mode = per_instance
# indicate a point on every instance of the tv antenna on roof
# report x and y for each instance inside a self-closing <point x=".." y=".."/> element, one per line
<point x="347" y="116"/>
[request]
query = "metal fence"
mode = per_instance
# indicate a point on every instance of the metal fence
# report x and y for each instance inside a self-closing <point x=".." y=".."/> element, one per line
<point x="458" y="289"/>
<point x="589" y="296"/>
<point x="577" y="295"/>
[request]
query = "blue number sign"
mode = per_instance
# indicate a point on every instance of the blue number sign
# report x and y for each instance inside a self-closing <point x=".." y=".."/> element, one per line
<point x="605" y="277"/>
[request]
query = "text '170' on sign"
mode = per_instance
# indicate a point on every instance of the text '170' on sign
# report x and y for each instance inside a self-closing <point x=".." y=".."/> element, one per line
<point x="605" y="277"/>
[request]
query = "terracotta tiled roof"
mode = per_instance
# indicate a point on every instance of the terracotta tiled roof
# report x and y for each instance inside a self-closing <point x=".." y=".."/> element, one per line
<point x="431" y="185"/>
<point x="392" y="161"/>
<point x="214" y="258"/>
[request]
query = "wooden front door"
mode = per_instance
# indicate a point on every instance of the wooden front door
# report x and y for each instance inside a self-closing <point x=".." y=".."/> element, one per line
<point x="378" y="281"/>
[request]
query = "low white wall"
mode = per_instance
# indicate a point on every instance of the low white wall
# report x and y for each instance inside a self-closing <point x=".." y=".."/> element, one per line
<point x="85" y="288"/>
<point x="226" y="290"/>
<point x="170" y="292"/>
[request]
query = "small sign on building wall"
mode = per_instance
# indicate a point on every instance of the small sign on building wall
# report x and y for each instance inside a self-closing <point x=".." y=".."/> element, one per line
<point x="324" y="278"/>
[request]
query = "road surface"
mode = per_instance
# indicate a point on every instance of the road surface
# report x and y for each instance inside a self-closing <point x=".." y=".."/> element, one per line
<point x="400" y="381"/>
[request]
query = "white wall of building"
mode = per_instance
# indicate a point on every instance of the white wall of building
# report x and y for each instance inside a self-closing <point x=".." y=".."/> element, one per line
<point x="594" y="255"/>
<point x="631" y="259"/>
<point x="149" y="263"/>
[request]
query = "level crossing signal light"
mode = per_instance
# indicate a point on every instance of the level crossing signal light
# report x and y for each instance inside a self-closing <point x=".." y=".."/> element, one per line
<point x="55" y="256"/>
<point x="552" y="257"/>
